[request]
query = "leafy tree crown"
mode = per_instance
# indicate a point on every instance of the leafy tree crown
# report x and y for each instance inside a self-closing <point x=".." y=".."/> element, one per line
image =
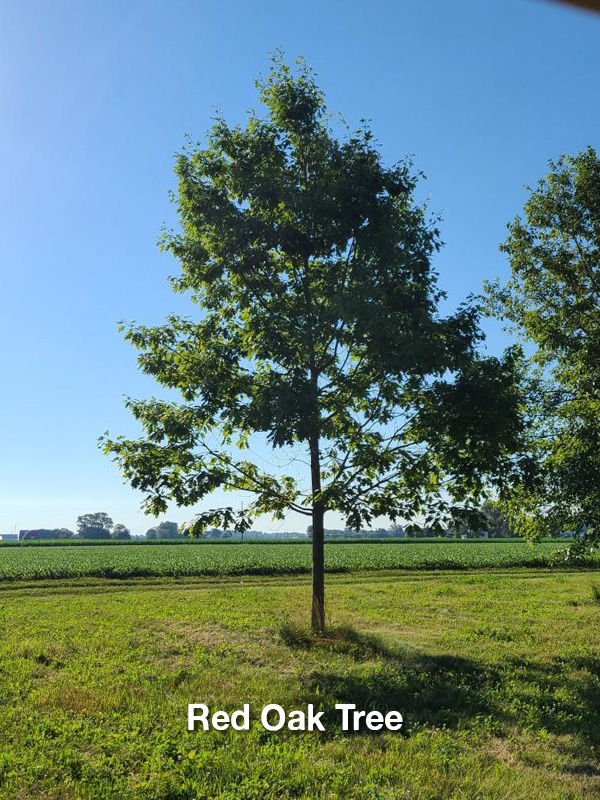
<point x="311" y="265"/>
<point x="553" y="300"/>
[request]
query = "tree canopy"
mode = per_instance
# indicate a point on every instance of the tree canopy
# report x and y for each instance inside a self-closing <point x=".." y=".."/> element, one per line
<point x="120" y="532"/>
<point x="62" y="533"/>
<point x="310" y="263"/>
<point x="164" y="530"/>
<point x="94" y="526"/>
<point x="553" y="300"/>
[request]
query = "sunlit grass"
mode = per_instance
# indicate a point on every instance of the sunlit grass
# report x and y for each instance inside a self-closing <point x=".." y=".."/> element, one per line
<point x="497" y="675"/>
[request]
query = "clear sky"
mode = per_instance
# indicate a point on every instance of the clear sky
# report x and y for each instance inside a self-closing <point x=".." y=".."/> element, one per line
<point x="95" y="98"/>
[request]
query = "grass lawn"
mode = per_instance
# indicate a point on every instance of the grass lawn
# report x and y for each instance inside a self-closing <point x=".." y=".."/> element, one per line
<point x="496" y="673"/>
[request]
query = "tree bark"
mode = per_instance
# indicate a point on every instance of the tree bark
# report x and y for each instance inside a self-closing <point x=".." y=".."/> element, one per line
<point x="318" y="543"/>
<point x="318" y="570"/>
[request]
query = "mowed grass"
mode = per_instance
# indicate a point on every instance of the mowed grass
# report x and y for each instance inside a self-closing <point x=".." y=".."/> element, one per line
<point x="129" y="561"/>
<point x="496" y="673"/>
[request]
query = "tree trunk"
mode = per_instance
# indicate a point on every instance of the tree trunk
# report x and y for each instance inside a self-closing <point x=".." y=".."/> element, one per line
<point x="318" y="569"/>
<point x="318" y="542"/>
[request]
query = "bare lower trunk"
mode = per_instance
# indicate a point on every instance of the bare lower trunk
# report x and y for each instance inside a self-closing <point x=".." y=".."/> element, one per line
<point x="318" y="542"/>
<point x="318" y="570"/>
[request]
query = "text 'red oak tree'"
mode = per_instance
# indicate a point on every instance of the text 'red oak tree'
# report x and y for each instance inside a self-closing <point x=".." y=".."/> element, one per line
<point x="310" y="264"/>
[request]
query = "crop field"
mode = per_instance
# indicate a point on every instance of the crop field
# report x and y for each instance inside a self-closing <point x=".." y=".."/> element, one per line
<point x="132" y="561"/>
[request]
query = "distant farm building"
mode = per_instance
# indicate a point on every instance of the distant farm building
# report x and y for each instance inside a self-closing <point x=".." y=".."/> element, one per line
<point x="8" y="537"/>
<point x="37" y="533"/>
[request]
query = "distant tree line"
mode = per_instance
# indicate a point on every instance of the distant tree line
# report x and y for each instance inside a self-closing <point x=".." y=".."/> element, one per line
<point x="491" y="521"/>
<point x="494" y="522"/>
<point x="100" y="526"/>
<point x="348" y="533"/>
<point x="97" y="525"/>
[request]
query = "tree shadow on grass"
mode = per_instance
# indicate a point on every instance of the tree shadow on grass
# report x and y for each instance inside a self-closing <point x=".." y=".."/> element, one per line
<point x="560" y="695"/>
<point x="426" y="689"/>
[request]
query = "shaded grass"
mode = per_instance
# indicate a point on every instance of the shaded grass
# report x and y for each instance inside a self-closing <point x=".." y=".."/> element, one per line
<point x="497" y="676"/>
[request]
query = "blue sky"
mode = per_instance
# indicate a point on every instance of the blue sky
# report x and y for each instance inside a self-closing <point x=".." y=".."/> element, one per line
<point x="95" y="98"/>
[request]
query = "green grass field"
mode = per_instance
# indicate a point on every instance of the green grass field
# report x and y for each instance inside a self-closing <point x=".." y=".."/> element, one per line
<point x="497" y="674"/>
<point x="129" y="561"/>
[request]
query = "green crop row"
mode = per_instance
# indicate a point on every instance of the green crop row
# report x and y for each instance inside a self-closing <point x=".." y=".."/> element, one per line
<point x="234" y="542"/>
<point x="123" y="561"/>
